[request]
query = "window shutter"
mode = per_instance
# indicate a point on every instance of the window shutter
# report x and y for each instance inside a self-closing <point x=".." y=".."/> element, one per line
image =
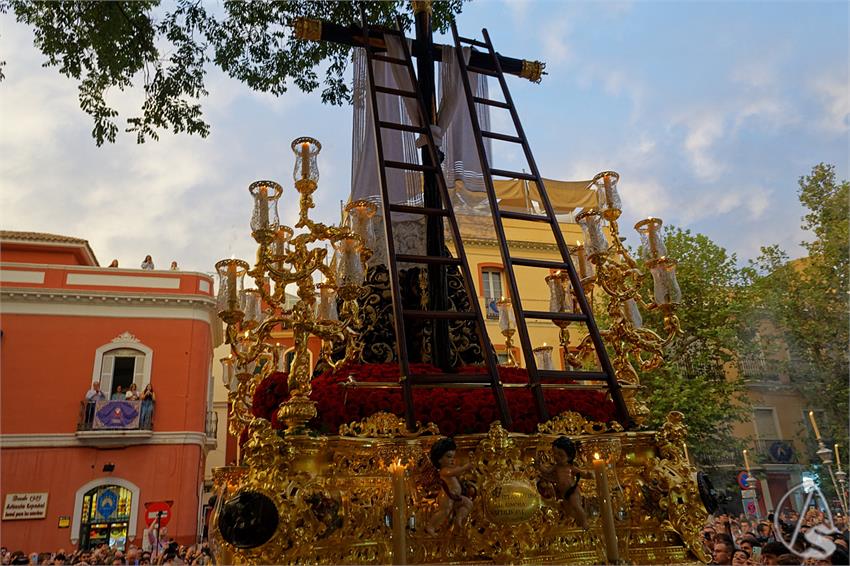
<point x="139" y="371"/>
<point x="106" y="368"/>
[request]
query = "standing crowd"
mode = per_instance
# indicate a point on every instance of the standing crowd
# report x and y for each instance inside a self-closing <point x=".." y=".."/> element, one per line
<point x="170" y="553"/>
<point x="746" y="541"/>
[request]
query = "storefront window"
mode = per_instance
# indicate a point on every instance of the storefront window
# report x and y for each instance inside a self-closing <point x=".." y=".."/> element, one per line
<point x="105" y="517"/>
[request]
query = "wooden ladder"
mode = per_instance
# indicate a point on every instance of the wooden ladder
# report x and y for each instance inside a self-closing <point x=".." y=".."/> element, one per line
<point x="585" y="315"/>
<point x="400" y="314"/>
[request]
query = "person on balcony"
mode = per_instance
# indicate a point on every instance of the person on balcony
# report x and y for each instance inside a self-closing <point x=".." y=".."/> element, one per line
<point x="132" y="393"/>
<point x="148" y="400"/>
<point x="92" y="397"/>
<point x="148" y="263"/>
<point x="118" y="395"/>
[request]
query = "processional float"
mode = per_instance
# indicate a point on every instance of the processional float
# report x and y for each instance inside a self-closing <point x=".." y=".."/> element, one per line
<point x="405" y="350"/>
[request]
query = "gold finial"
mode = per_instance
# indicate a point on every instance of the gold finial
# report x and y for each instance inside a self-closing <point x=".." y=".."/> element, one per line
<point x="308" y="29"/>
<point x="420" y="6"/>
<point x="533" y="70"/>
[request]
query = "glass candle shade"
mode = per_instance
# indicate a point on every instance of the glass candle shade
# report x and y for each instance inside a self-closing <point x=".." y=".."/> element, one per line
<point x="280" y="245"/>
<point x="607" y="195"/>
<point x="252" y="306"/>
<point x="349" y="266"/>
<point x="543" y="357"/>
<point x="361" y="212"/>
<point x="590" y="220"/>
<point x="326" y="307"/>
<point x="280" y="351"/>
<point x="585" y="268"/>
<point x="228" y="372"/>
<point x="306" y="171"/>
<point x="651" y="243"/>
<point x="560" y="297"/>
<point x="231" y="280"/>
<point x="665" y="286"/>
<point x="266" y="195"/>
<point x="632" y="313"/>
<point x="507" y="322"/>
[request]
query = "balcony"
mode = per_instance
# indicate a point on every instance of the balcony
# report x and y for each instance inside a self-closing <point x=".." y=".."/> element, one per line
<point x="776" y="451"/>
<point x="756" y="368"/>
<point x="211" y="428"/>
<point x="115" y="422"/>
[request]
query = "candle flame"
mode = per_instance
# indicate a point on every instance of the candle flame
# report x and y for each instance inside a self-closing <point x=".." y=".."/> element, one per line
<point x="597" y="456"/>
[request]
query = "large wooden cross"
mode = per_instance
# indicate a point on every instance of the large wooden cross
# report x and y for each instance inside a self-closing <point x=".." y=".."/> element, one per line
<point x="423" y="48"/>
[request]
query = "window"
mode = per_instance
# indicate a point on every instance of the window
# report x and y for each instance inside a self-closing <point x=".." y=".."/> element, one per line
<point x="491" y="280"/>
<point x="121" y="367"/>
<point x="105" y="517"/>
<point x="765" y="423"/>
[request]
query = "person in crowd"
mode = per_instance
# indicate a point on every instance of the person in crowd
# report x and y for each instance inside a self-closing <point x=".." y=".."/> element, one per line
<point x="723" y="550"/>
<point x="132" y="393"/>
<point x="148" y="263"/>
<point x="119" y="394"/>
<point x="174" y="266"/>
<point x="746" y="544"/>
<point x="114" y="263"/>
<point x="148" y="401"/>
<point x="771" y="551"/>
<point x="741" y="558"/>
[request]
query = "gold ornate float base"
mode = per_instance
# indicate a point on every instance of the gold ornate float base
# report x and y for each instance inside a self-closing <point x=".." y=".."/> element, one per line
<point x="337" y="498"/>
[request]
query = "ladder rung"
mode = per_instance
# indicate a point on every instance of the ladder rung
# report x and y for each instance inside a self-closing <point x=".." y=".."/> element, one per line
<point x="402" y="127"/>
<point x="503" y="137"/>
<point x="481" y="71"/>
<point x="487" y="101"/>
<point x="563" y="386"/>
<point x="572" y="374"/>
<point x="398" y="92"/>
<point x="472" y="42"/>
<point x="574" y="317"/>
<point x="513" y="174"/>
<point x="446" y="378"/>
<point x="388" y="59"/>
<point x="442" y="315"/>
<point x="510" y="215"/>
<point x="438" y="260"/>
<point x="419" y="210"/>
<point x="538" y="263"/>
<point x="409" y="166"/>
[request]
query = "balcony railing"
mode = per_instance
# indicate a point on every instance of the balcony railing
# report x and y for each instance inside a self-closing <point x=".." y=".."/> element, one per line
<point x="760" y="369"/>
<point x="776" y="451"/>
<point x="212" y="425"/>
<point x="115" y="415"/>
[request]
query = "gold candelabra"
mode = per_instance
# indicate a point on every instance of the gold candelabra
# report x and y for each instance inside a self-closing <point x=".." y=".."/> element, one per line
<point x="612" y="268"/>
<point x="285" y="258"/>
<point x="507" y="326"/>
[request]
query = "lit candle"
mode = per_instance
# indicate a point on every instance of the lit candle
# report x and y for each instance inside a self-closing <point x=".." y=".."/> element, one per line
<point x="814" y="424"/>
<point x="746" y="461"/>
<point x="582" y="260"/>
<point x="305" y="160"/>
<point x="231" y="286"/>
<point x="687" y="456"/>
<point x="606" y="509"/>
<point x="397" y="470"/>
<point x="837" y="457"/>
<point x="263" y="203"/>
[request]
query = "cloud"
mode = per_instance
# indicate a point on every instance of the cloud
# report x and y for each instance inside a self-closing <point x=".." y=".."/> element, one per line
<point x="833" y="93"/>
<point x="703" y="131"/>
<point x="554" y="36"/>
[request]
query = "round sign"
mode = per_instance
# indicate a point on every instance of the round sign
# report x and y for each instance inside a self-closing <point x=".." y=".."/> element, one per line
<point x="153" y="510"/>
<point x="511" y="502"/>
<point x="742" y="480"/>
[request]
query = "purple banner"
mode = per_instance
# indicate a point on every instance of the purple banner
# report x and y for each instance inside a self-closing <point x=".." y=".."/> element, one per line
<point x="116" y="415"/>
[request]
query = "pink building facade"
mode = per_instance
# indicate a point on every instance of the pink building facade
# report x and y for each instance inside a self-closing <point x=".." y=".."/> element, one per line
<point x="97" y="472"/>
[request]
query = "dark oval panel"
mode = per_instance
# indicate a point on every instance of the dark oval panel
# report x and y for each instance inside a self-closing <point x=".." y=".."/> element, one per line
<point x="248" y="519"/>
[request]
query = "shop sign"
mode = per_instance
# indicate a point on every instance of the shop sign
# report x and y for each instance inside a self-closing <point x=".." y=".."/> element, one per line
<point x="25" y="506"/>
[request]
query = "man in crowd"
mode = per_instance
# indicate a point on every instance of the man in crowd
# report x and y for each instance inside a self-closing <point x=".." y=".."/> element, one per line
<point x="92" y="397"/>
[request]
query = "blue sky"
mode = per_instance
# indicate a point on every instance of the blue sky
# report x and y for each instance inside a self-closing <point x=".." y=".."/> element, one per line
<point x="710" y="111"/>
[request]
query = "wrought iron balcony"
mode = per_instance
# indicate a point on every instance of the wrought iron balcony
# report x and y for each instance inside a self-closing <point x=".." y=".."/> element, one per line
<point x="211" y="427"/>
<point x="756" y="368"/>
<point x="114" y="416"/>
<point x="776" y="451"/>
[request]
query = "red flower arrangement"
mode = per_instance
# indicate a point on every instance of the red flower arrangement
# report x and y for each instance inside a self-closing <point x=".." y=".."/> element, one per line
<point x="455" y="411"/>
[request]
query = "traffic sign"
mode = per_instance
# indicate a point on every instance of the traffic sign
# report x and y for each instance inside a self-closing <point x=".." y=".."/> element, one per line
<point x="742" y="480"/>
<point x="153" y="509"/>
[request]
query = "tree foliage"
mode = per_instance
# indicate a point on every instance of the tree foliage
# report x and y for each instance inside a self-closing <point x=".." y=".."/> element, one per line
<point x="810" y="297"/>
<point x="119" y="45"/>
<point x="712" y="313"/>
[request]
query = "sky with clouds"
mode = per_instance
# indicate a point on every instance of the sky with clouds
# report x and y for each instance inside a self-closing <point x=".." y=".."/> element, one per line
<point x="710" y="112"/>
